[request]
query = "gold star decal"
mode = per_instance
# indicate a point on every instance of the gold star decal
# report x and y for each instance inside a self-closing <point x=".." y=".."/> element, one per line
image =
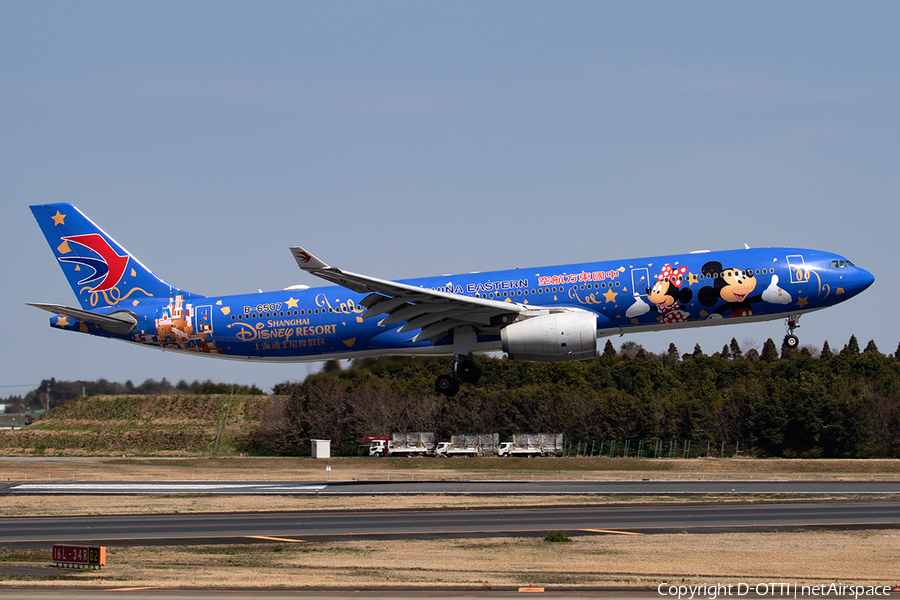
<point x="610" y="296"/>
<point x="801" y="302"/>
<point x="58" y="219"/>
<point x="692" y="279"/>
<point x="61" y="321"/>
<point x="291" y="303"/>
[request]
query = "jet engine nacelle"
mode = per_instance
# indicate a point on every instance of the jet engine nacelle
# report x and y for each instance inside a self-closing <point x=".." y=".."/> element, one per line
<point x="555" y="337"/>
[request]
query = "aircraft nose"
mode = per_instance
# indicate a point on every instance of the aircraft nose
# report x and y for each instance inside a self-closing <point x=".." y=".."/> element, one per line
<point x="862" y="280"/>
<point x="866" y="279"/>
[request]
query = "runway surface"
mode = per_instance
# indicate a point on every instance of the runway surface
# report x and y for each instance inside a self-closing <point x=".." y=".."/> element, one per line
<point x="448" y="523"/>
<point x="646" y="488"/>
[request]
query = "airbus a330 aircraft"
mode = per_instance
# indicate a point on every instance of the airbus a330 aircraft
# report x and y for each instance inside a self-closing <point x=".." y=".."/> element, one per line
<point x="554" y="313"/>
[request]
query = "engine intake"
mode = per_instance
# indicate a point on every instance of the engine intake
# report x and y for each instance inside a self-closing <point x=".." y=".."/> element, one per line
<point x="555" y="337"/>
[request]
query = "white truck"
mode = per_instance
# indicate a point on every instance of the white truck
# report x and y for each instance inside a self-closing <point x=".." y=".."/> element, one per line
<point x="469" y="444"/>
<point x="532" y="444"/>
<point x="417" y="443"/>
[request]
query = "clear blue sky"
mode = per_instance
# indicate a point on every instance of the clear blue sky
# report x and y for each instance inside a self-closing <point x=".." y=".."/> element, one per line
<point x="402" y="139"/>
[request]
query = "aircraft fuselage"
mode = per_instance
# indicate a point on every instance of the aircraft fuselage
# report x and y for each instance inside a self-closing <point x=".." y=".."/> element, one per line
<point x="632" y="295"/>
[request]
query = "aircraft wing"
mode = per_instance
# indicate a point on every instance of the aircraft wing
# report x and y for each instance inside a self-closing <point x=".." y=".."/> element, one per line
<point x="120" y="321"/>
<point x="435" y="313"/>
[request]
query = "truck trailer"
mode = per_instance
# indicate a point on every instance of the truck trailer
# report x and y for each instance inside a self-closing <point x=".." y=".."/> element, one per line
<point x="469" y="444"/>
<point x="532" y="444"/>
<point x="417" y="443"/>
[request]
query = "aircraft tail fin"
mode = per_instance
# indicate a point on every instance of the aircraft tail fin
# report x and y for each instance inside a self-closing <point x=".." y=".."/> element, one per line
<point x="101" y="272"/>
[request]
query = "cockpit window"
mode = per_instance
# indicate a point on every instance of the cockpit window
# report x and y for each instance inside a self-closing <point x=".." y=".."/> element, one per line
<point x="840" y="264"/>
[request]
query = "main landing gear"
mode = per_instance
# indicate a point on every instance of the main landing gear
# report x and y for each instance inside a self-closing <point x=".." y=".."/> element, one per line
<point x="462" y="369"/>
<point x="790" y="324"/>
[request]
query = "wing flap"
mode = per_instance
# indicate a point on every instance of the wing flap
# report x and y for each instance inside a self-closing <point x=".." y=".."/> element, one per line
<point x="430" y="310"/>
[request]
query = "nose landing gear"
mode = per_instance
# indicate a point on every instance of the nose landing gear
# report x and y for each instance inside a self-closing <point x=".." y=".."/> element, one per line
<point x="790" y="324"/>
<point x="462" y="369"/>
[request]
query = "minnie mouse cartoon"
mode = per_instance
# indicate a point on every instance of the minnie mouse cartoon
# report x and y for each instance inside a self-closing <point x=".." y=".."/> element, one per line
<point x="666" y="296"/>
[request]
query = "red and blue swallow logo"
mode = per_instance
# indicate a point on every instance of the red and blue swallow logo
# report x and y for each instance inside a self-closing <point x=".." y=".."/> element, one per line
<point x="107" y="270"/>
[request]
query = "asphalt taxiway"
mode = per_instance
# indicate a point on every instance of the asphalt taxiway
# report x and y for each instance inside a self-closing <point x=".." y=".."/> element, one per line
<point x="326" y="525"/>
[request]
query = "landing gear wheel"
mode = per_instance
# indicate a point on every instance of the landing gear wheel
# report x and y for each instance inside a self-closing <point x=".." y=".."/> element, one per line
<point x="468" y="371"/>
<point x="790" y="324"/>
<point x="446" y="385"/>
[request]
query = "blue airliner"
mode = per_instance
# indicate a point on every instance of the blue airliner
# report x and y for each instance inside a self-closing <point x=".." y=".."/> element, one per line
<point x="554" y="313"/>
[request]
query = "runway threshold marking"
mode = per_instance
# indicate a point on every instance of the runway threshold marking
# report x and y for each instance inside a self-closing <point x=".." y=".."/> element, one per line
<point x="274" y="539"/>
<point x="612" y="531"/>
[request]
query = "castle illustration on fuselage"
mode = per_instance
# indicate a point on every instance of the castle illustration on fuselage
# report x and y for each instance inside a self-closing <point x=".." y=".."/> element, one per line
<point x="184" y="326"/>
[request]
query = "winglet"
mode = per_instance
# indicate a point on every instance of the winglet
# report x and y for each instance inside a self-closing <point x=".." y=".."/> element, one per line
<point x="307" y="261"/>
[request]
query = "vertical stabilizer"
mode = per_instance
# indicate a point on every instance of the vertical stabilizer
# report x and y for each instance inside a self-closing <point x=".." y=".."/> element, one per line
<point x="101" y="272"/>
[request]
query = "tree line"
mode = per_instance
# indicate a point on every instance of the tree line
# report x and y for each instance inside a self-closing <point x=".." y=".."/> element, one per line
<point x="793" y="403"/>
<point x="60" y="392"/>
<point x="805" y="402"/>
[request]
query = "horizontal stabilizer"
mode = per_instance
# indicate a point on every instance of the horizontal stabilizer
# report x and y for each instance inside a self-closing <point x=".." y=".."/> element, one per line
<point x="121" y="322"/>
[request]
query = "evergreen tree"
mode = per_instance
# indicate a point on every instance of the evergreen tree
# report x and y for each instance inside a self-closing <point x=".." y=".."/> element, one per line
<point x="871" y="348"/>
<point x="725" y="353"/>
<point x="609" y="349"/>
<point x="697" y="350"/>
<point x="736" y="352"/>
<point x="826" y="354"/>
<point x="672" y="353"/>
<point x="769" y="351"/>
<point x="852" y="347"/>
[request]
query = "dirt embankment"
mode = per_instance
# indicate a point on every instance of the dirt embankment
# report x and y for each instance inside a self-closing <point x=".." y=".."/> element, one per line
<point x="179" y="425"/>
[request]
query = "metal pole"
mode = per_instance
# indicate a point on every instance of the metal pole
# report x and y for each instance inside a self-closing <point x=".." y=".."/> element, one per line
<point x="221" y="425"/>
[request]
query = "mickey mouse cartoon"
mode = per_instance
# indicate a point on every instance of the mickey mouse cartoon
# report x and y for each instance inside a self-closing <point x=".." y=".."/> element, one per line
<point x="731" y="285"/>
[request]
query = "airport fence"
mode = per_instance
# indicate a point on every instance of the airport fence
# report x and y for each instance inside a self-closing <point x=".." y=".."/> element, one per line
<point x="651" y="448"/>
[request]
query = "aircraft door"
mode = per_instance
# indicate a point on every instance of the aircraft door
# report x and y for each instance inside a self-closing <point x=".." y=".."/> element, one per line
<point x="640" y="281"/>
<point x="204" y="320"/>
<point x="799" y="272"/>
